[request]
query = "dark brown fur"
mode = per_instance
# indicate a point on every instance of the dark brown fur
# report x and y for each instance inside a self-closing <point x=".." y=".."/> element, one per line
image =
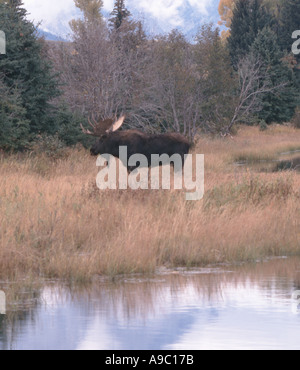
<point x="138" y="142"/>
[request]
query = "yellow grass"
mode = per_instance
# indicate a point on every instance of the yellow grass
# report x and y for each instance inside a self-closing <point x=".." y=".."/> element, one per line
<point x="55" y="223"/>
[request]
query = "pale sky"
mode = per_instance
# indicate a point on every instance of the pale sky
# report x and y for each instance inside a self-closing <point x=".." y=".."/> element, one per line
<point x="56" y="14"/>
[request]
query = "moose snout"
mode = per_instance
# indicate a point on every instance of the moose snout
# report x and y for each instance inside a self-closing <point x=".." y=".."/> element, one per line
<point x="94" y="150"/>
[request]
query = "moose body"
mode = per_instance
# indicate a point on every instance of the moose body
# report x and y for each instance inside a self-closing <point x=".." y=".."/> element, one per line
<point x="137" y="142"/>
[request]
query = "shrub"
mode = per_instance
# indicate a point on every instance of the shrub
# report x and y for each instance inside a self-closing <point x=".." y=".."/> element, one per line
<point x="49" y="146"/>
<point x="296" y="118"/>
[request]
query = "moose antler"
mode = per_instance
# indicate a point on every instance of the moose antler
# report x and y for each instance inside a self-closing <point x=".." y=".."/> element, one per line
<point x="101" y="127"/>
<point x="116" y="125"/>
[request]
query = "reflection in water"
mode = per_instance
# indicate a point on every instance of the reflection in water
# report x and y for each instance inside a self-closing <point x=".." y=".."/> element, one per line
<point x="245" y="307"/>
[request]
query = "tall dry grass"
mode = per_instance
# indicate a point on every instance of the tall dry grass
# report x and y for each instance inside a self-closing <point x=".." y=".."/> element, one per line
<point x="55" y="223"/>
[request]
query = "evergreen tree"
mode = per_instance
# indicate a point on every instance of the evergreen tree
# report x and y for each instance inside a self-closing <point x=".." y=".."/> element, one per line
<point x="119" y="14"/>
<point x="289" y="18"/>
<point x="249" y="17"/>
<point x="14" y="127"/>
<point x="23" y="68"/>
<point x="127" y="34"/>
<point x="289" y="21"/>
<point x="279" y="106"/>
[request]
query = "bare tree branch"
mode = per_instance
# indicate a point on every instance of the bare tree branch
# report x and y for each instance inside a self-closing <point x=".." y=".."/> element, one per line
<point x="254" y="84"/>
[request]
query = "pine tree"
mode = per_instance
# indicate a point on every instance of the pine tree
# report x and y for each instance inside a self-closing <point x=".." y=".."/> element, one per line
<point x="249" y="17"/>
<point x="289" y="18"/>
<point x="126" y="33"/>
<point x="119" y="14"/>
<point x="279" y="106"/>
<point x="23" y="68"/>
<point x="14" y="127"/>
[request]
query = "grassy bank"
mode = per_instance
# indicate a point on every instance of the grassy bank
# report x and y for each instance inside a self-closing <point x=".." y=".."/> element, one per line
<point x="55" y="223"/>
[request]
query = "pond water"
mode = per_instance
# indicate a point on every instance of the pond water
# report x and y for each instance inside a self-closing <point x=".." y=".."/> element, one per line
<point x="275" y="165"/>
<point x="241" y="307"/>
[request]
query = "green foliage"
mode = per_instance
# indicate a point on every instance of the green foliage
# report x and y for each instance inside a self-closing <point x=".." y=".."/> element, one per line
<point x="119" y="14"/>
<point x="296" y="118"/>
<point x="126" y="33"/>
<point x="249" y="17"/>
<point x="162" y="84"/>
<point x="254" y="29"/>
<point x="289" y="21"/>
<point x="263" y="125"/>
<point x="278" y="106"/>
<point x="68" y="127"/>
<point x="48" y="145"/>
<point x="14" y="127"/>
<point x="23" y="68"/>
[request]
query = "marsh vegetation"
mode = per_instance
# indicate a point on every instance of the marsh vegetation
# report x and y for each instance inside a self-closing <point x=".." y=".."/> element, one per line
<point x="56" y="223"/>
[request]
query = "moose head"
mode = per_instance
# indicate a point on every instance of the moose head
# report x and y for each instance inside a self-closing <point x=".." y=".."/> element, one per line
<point x="102" y="129"/>
<point x="137" y="142"/>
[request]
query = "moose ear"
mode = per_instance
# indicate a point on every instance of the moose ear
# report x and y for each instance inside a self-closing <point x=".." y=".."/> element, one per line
<point x="117" y="124"/>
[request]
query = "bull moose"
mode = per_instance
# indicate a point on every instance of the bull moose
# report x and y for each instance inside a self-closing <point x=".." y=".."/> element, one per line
<point x="137" y="142"/>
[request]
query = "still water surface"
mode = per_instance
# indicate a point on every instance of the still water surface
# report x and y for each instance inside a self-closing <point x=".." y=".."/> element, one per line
<point x="243" y="307"/>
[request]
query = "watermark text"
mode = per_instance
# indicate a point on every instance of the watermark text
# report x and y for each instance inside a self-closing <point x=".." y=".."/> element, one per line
<point x="188" y="173"/>
<point x="2" y="42"/>
<point x="296" y="301"/>
<point x="2" y="303"/>
<point x="296" y="44"/>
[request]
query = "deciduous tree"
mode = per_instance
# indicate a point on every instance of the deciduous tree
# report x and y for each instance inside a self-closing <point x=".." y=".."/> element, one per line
<point x="218" y="83"/>
<point x="91" y="10"/>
